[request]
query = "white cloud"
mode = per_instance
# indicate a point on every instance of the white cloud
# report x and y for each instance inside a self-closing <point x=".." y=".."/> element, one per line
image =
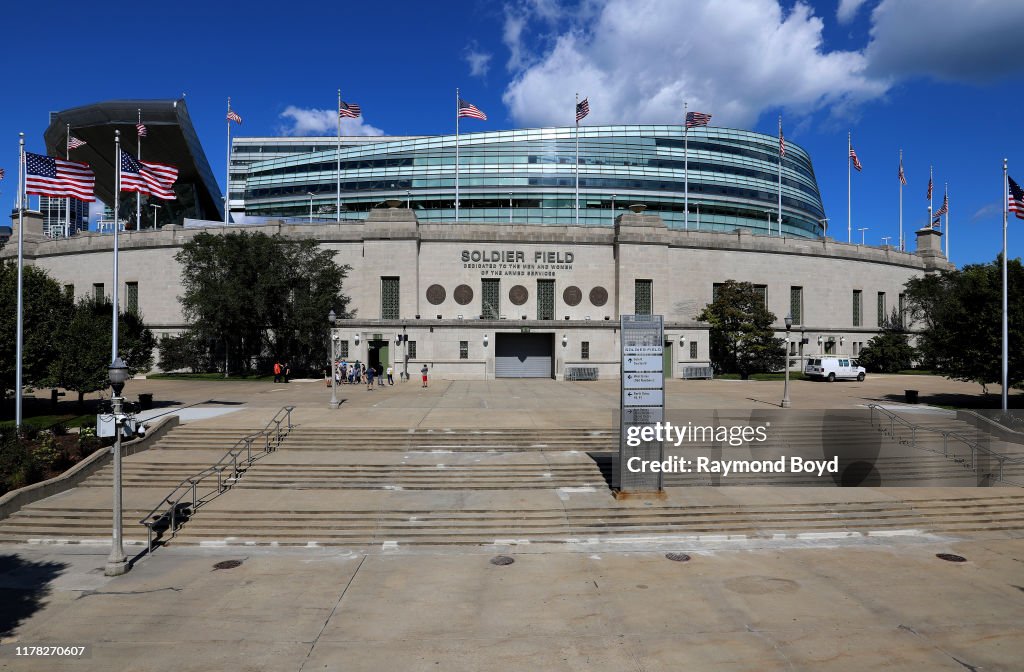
<point x="303" y="121"/>
<point x="640" y="60"/>
<point x="961" y="40"/>
<point x="479" y="61"/>
<point x="512" y="36"/>
<point x="848" y="10"/>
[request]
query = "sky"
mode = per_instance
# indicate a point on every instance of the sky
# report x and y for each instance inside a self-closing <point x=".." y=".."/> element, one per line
<point x="941" y="79"/>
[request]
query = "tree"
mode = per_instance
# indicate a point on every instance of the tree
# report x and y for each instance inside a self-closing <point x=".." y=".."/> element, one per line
<point x="960" y="312"/>
<point x="251" y="298"/>
<point x="45" y="311"/>
<point x="85" y="347"/>
<point x="889" y="351"/>
<point x="742" y="338"/>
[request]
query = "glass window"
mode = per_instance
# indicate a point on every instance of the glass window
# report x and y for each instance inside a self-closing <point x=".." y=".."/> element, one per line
<point x="643" y="299"/>
<point x="584" y="349"/>
<point x="490" y="297"/>
<point x="463" y="349"/>
<point x="856" y="307"/>
<point x="545" y="299"/>
<point x="796" y="304"/>
<point x="389" y="298"/>
<point x="903" y="310"/>
<point x="412" y="349"/>
<point x="97" y="292"/>
<point x="693" y="349"/>
<point x="881" y="308"/>
<point x="132" y="297"/>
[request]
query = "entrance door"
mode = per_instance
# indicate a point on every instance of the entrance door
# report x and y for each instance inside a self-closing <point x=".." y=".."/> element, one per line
<point x="377" y="354"/>
<point x="666" y="360"/>
<point x="524" y="355"/>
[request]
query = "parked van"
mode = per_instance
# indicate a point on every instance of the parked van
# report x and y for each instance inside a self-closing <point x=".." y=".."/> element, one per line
<point x="834" y="368"/>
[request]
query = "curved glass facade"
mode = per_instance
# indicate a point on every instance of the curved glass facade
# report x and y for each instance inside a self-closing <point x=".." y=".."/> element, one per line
<point x="528" y="176"/>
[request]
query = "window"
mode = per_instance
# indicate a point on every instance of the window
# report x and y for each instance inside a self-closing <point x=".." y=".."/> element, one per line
<point x="584" y="349"/>
<point x="796" y="304"/>
<point x="762" y="292"/>
<point x="132" y="297"/>
<point x="389" y="298"/>
<point x="97" y="292"/>
<point x="830" y="347"/>
<point x="463" y="349"/>
<point x="412" y="349"/>
<point x="69" y="291"/>
<point x="642" y="296"/>
<point x="693" y="349"/>
<point x="343" y="349"/>
<point x="881" y="309"/>
<point x="545" y="299"/>
<point x="490" y="297"/>
<point x="714" y="291"/>
<point x="856" y="307"/>
<point x="903" y="310"/>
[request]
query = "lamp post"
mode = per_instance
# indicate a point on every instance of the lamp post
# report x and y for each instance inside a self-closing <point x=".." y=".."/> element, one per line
<point x="862" y="230"/>
<point x="510" y="207"/>
<point x="613" y="207"/>
<point x="785" y="389"/>
<point x="768" y="220"/>
<point x="117" y="373"/>
<point x="155" y="208"/>
<point x="332" y="318"/>
<point x="311" y="195"/>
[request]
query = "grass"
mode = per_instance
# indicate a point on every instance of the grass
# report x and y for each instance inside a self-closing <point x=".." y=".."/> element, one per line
<point x="916" y="372"/>
<point x="762" y="376"/>
<point x="46" y="421"/>
<point x="208" y="376"/>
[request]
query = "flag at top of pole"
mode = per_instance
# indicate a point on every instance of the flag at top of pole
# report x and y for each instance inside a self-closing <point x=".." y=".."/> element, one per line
<point x="141" y="128"/>
<point x="1015" y="198"/>
<point x="349" y="110"/>
<point x="900" y="175"/>
<point x="75" y="143"/>
<point x="233" y="116"/>
<point x="694" y="119"/>
<point x="467" y="109"/>
<point x="855" y="160"/>
<point x="582" y="110"/>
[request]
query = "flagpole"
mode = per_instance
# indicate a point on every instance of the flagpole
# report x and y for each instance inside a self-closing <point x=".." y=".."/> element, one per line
<point x="1006" y="322"/>
<point x="67" y="201"/>
<point x="780" y="175"/>
<point x="227" y="168"/>
<point x="21" y="265"/>
<point x="931" y="183"/>
<point x="337" y="204"/>
<point x="576" y="114"/>
<point x="117" y="198"/>
<point x="138" y="194"/>
<point x="849" y="183"/>
<point x="945" y="202"/>
<point x="901" y="199"/>
<point x="686" y="169"/>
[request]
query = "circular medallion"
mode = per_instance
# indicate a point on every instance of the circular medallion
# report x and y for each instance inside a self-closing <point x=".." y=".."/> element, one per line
<point x="435" y="295"/>
<point x="518" y="295"/>
<point x="572" y="296"/>
<point x="463" y="294"/>
<point x="599" y="296"/>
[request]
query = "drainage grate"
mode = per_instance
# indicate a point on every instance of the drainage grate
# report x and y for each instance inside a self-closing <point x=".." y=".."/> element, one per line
<point x="502" y="560"/>
<point x="227" y="564"/>
<point x="678" y="557"/>
<point x="949" y="557"/>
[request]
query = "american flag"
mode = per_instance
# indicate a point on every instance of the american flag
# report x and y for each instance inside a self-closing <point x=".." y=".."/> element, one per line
<point x="147" y="177"/>
<point x="3" y="173"/>
<point x="141" y="128"/>
<point x="74" y="143"/>
<point x="582" y="109"/>
<point x="697" y="119"/>
<point x="856" y="161"/>
<point x="349" y="110"/>
<point x="782" y="145"/>
<point x="1015" y="199"/>
<point x="945" y="207"/>
<point x="903" y="178"/>
<point x="929" y="196"/>
<point x="49" y="176"/>
<point x="467" y="109"/>
<point x="233" y="116"/>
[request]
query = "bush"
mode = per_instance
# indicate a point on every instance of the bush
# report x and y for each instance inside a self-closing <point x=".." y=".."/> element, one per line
<point x="18" y="468"/>
<point x="45" y="452"/>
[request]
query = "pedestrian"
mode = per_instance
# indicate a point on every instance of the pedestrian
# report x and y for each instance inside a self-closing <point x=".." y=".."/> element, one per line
<point x="287" y="371"/>
<point x="344" y="371"/>
<point x="369" y="378"/>
<point x="423" y="372"/>
<point x="391" y="375"/>
<point x="380" y="375"/>
<point x="277" y="371"/>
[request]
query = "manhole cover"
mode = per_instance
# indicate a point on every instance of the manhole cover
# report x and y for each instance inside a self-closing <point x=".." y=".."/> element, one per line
<point x="677" y="557"/>
<point x="502" y="560"/>
<point x="949" y="557"/>
<point x="228" y="564"/>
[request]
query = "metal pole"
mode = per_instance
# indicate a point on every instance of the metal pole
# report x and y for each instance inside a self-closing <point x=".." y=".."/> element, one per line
<point x="577" y="159"/>
<point x="337" y="204"/>
<point x="310" y="206"/>
<point x="698" y="217"/>
<point x="686" y="169"/>
<point x="138" y="194"/>
<point x="67" y="201"/>
<point x="613" y="208"/>
<point x="945" y="201"/>
<point x="901" y="201"/>
<point x="849" y="183"/>
<point x="117" y="198"/>
<point x="117" y="564"/>
<point x="457" y="99"/>
<point x="227" y="171"/>
<point x="780" y="181"/>
<point x="1006" y="355"/>
<point x="334" y="378"/>
<point x="21" y="265"/>
<point x="785" y="388"/>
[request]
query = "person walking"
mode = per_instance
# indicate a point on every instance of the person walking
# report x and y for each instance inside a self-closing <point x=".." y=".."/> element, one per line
<point x="277" y="371"/>
<point x="424" y="372"/>
<point x="391" y="375"/>
<point x="380" y="375"/>
<point x="287" y="371"/>
<point x="369" y="378"/>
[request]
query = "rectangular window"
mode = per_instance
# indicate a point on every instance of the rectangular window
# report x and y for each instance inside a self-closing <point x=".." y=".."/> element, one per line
<point x="97" y="292"/>
<point x="412" y="349"/>
<point x="796" y="304"/>
<point x="343" y="349"/>
<point x="856" y="307"/>
<point x="463" y="349"/>
<point x="714" y="291"/>
<point x="131" y="299"/>
<point x="643" y="299"/>
<point x="881" y="308"/>
<point x="584" y="349"/>
<point x="389" y="298"/>
<point x="69" y="291"/>
<point x="762" y="292"/>
<point x="903" y="310"/>
<point x="545" y="299"/>
<point x="830" y="347"/>
<point x="693" y="349"/>
<point x="490" y="298"/>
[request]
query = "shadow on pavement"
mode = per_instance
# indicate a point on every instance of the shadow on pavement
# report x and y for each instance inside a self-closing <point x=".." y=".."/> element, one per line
<point x="23" y="587"/>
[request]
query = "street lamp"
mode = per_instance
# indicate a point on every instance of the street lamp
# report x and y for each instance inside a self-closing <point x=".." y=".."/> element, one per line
<point x="697" y="224"/>
<point x="155" y="208"/>
<point x="785" y="389"/>
<point x="862" y="230"/>
<point x="117" y="373"/>
<point x="768" y="220"/>
<point x="613" y="208"/>
<point x="408" y="199"/>
<point x="510" y="207"/>
<point x="332" y="318"/>
<point x="311" y="195"/>
<point x="824" y="225"/>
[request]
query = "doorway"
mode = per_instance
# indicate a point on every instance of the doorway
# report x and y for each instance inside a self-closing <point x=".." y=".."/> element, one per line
<point x="378" y="354"/>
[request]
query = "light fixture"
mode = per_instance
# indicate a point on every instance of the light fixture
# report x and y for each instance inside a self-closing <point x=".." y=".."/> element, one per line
<point x="439" y="316"/>
<point x="356" y="339"/>
<point x="789" y="322"/>
<point x="398" y="339"/>
<point x="117" y="374"/>
<point x="842" y="341"/>
<point x="587" y="318"/>
<point x="565" y="340"/>
<point x="820" y="340"/>
<point x="485" y="340"/>
<point x="682" y="339"/>
<point x="460" y="317"/>
<point x="331" y="317"/>
<point x="567" y="317"/>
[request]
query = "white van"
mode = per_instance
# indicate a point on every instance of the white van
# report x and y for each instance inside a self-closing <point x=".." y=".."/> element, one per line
<point x="834" y="368"/>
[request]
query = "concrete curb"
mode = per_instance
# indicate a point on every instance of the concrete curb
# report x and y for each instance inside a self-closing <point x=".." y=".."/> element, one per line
<point x="14" y="500"/>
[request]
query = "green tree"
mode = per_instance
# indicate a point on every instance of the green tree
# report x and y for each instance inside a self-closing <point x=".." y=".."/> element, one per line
<point x="960" y="313"/>
<point x="85" y="347"/>
<point x="251" y="298"/>
<point x="890" y="351"/>
<point x="45" y="311"/>
<point x="742" y="336"/>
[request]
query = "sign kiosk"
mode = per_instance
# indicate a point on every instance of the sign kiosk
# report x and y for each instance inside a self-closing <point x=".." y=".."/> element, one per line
<point x="642" y="400"/>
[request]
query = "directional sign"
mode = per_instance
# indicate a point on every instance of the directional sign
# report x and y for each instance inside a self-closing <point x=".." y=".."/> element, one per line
<point x="645" y="381"/>
<point x="643" y="350"/>
<point x="642" y="415"/>
<point x="643" y="398"/>
<point x="642" y="363"/>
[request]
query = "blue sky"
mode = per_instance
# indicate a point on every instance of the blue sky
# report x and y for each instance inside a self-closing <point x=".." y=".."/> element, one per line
<point x="939" y="78"/>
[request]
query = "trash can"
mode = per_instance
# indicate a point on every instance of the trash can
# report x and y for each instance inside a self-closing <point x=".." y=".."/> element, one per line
<point x="910" y="396"/>
<point x="146" y="401"/>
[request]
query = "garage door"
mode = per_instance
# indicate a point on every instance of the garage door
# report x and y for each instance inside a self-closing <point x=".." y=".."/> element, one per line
<point x="523" y="355"/>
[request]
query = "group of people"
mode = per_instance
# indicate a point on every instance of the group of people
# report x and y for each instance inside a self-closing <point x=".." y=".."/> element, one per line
<point x="281" y="371"/>
<point x="358" y="373"/>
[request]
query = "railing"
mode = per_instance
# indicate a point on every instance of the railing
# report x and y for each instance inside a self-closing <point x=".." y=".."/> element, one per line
<point x="254" y="446"/>
<point x="581" y="373"/>
<point x="698" y="373"/>
<point x="955" y="446"/>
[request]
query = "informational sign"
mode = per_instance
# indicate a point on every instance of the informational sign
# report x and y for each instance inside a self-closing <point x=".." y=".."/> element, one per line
<point x="642" y="399"/>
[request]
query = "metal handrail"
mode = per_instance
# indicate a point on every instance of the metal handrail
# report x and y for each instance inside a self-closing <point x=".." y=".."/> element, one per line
<point x="975" y="447"/>
<point x="990" y="421"/>
<point x="168" y="506"/>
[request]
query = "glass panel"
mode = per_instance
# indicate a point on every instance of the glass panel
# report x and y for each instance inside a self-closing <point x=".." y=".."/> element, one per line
<point x="585" y="350"/>
<point x="881" y="308"/>
<point x="491" y="301"/>
<point x="412" y="349"/>
<point x="463" y="349"/>
<point x="856" y="307"/>
<point x="389" y="298"/>
<point x="132" y="297"/>
<point x="796" y="303"/>
<point x="693" y="349"/>
<point x="643" y="300"/>
<point x="545" y="299"/>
